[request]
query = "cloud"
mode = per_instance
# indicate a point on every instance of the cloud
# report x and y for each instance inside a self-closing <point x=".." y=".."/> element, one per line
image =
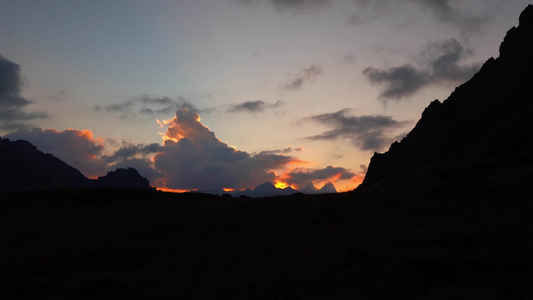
<point x="467" y="23"/>
<point x="437" y="63"/>
<point x="365" y="132"/>
<point x="348" y="58"/>
<point x="369" y="10"/>
<point x="302" y="177"/>
<point x="77" y="148"/>
<point x="148" y="106"/>
<point x="12" y="104"/>
<point x="442" y="10"/>
<point x="281" y="151"/>
<point x="194" y="158"/>
<point x="308" y="74"/>
<point x="294" y="6"/>
<point x="255" y="106"/>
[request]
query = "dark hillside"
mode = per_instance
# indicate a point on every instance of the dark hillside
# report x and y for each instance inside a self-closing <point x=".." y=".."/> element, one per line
<point x="460" y="243"/>
<point x="23" y="167"/>
<point x="488" y="118"/>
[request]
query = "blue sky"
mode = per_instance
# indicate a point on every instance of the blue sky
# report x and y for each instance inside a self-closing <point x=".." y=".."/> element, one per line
<point x="291" y="87"/>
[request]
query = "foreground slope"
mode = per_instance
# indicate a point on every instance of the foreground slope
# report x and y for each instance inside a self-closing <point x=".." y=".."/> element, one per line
<point x="485" y="123"/>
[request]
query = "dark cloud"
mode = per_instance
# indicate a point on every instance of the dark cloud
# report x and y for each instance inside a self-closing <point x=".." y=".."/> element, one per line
<point x="255" y="106"/>
<point x="194" y="158"/>
<point x="281" y="151"/>
<point x="122" y="107"/>
<point x="365" y="132"/>
<point x="12" y="104"/>
<point x="129" y="150"/>
<point x="437" y="63"/>
<point x="77" y="148"/>
<point x="398" y="81"/>
<point x="301" y="177"/>
<point x="296" y="81"/>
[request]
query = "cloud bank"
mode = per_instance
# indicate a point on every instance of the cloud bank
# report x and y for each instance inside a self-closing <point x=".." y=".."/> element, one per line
<point x="365" y="132"/>
<point x="12" y="105"/>
<point x="437" y="63"/>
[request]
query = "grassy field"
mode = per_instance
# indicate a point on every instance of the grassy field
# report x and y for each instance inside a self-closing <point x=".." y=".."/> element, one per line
<point x="466" y="238"/>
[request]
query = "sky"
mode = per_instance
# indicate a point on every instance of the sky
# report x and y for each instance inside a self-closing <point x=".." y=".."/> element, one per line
<point x="229" y="94"/>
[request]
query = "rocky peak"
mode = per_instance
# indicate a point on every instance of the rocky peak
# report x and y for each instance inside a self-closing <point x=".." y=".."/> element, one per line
<point x="123" y="178"/>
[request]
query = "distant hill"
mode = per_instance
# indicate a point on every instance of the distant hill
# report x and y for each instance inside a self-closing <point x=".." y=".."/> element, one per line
<point x="23" y="167"/>
<point x="485" y="124"/>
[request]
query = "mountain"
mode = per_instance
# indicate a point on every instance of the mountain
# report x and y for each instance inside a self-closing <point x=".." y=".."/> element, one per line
<point x="484" y="125"/>
<point x="328" y="188"/>
<point x="23" y="167"/>
<point x="123" y="178"/>
<point x="309" y="189"/>
<point x="266" y="189"/>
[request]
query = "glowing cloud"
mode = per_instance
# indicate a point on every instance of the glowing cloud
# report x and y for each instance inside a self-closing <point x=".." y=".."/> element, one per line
<point x="194" y="158"/>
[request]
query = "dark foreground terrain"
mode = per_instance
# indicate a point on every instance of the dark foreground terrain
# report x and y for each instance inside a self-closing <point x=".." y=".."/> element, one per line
<point x="461" y="237"/>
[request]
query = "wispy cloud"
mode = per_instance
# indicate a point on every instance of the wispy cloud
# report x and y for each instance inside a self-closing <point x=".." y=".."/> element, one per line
<point x="148" y="106"/>
<point x="255" y="106"/>
<point x="308" y="74"/>
<point x="437" y="63"/>
<point x="293" y="6"/>
<point x="365" y="132"/>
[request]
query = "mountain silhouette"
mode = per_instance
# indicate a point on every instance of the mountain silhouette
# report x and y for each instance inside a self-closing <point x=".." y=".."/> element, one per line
<point x="266" y="189"/>
<point x="123" y="178"/>
<point x="328" y="188"/>
<point x="26" y="168"/>
<point x="485" y="124"/>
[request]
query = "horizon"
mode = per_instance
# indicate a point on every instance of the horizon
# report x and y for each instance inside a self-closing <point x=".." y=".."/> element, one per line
<point x="194" y="97"/>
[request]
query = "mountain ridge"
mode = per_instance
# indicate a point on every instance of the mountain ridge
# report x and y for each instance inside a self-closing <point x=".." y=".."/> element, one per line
<point x="26" y="168"/>
<point x="486" y="118"/>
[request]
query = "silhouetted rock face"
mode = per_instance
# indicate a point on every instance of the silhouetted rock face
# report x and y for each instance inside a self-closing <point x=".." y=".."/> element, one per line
<point x="23" y="167"/>
<point x="486" y="118"/>
<point x="123" y="178"/>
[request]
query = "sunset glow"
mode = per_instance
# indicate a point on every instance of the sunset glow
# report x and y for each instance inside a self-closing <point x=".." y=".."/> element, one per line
<point x="296" y="93"/>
